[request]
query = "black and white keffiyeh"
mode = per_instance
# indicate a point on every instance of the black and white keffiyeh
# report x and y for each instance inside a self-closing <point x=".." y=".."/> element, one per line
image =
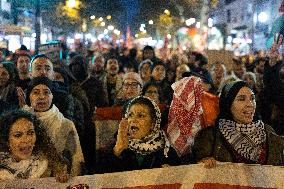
<point x="155" y="141"/>
<point x="246" y="139"/>
<point x="34" y="167"/>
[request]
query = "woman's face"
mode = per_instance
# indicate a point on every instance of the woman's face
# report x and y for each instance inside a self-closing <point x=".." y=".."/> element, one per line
<point x="22" y="138"/>
<point x="23" y="64"/>
<point x="58" y="77"/>
<point x="4" y="76"/>
<point x="249" y="80"/>
<point x="153" y="93"/>
<point x="145" y="71"/>
<point x="159" y="73"/>
<point x="41" y="98"/>
<point x="140" y="122"/>
<point x="243" y="107"/>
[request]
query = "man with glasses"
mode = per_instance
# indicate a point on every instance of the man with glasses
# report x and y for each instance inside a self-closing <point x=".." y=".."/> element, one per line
<point x="131" y="87"/>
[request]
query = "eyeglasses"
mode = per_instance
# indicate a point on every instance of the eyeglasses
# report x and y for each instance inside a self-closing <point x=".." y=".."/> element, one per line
<point x="131" y="85"/>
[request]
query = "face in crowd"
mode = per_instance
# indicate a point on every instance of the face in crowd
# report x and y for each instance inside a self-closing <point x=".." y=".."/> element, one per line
<point x="23" y="64"/>
<point x="22" y="139"/>
<point x="152" y="92"/>
<point x="159" y="73"/>
<point x="42" y="67"/>
<point x="41" y="98"/>
<point x="58" y="77"/>
<point x="145" y="72"/>
<point x="148" y="54"/>
<point x="243" y="106"/>
<point x="131" y="88"/>
<point x="99" y="64"/>
<point x="4" y="76"/>
<point x="239" y="70"/>
<point x="140" y="122"/>
<point x="180" y="70"/>
<point x="112" y="66"/>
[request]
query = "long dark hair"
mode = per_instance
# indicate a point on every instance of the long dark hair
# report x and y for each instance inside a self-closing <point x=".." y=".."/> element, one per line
<point x="43" y="144"/>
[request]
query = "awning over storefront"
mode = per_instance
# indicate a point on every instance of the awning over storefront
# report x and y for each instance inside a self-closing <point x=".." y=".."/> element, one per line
<point x="10" y="29"/>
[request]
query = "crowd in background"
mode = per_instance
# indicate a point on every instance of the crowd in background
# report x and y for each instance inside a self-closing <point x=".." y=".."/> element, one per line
<point x="211" y="112"/>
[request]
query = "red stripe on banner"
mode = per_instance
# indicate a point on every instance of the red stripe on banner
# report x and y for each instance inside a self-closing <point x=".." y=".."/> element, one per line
<point x="223" y="186"/>
<point x="164" y="186"/>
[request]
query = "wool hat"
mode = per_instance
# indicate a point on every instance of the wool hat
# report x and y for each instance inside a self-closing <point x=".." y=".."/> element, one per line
<point x="133" y="75"/>
<point x="38" y="81"/>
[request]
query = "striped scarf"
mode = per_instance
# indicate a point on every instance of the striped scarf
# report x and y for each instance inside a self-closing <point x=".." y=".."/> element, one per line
<point x="246" y="139"/>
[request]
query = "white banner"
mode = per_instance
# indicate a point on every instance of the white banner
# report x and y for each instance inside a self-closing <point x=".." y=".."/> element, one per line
<point x="224" y="176"/>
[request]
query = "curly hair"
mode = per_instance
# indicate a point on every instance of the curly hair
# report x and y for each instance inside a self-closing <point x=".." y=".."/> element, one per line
<point x="43" y="143"/>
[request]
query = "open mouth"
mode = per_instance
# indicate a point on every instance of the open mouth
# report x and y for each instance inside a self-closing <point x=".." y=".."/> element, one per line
<point x="134" y="129"/>
<point x="26" y="150"/>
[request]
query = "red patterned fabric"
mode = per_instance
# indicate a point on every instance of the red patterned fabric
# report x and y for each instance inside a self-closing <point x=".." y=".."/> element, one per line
<point x="185" y="114"/>
<point x="164" y="186"/>
<point x="224" y="186"/>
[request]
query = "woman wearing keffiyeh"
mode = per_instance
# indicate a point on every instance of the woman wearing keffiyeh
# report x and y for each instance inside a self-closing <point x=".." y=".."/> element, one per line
<point x="140" y="142"/>
<point x="239" y="135"/>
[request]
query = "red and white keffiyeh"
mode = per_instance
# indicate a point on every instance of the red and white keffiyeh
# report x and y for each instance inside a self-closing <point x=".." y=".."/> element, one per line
<point x="185" y="114"/>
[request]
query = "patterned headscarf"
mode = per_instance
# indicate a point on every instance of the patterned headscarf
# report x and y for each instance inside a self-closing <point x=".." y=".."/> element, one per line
<point x="185" y="114"/>
<point x="156" y="140"/>
<point x="246" y="139"/>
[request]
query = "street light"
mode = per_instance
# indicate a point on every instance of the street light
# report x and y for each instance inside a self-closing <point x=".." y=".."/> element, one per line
<point x="167" y="12"/>
<point x="101" y="19"/>
<point x="110" y="27"/>
<point x="108" y="17"/>
<point x="262" y="17"/>
<point x="103" y="24"/>
<point x="151" y="22"/>
<point x="71" y="3"/>
<point x="93" y="17"/>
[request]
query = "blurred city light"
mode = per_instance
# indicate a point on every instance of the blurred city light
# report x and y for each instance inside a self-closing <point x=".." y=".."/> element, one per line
<point x="210" y="22"/>
<point x="197" y="24"/>
<point x="101" y="19"/>
<point x="71" y="3"/>
<point x="93" y="17"/>
<point x="167" y="12"/>
<point x="169" y="36"/>
<point x="151" y="22"/>
<point x="88" y="36"/>
<point x="108" y="17"/>
<point x="110" y="27"/>
<point x="105" y="31"/>
<point x="262" y="17"/>
<point x="103" y="24"/>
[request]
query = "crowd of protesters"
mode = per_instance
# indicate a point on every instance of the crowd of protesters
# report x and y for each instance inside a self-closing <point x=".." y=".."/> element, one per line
<point x="211" y="112"/>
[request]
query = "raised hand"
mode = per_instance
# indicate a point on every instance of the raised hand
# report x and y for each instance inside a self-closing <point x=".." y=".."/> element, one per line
<point x="274" y="49"/>
<point x="21" y="97"/>
<point x="122" y="138"/>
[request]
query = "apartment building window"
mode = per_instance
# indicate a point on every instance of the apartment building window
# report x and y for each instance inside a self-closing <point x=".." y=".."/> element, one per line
<point x="229" y="19"/>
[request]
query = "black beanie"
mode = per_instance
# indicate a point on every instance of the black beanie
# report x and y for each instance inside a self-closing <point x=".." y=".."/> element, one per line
<point x="37" y="81"/>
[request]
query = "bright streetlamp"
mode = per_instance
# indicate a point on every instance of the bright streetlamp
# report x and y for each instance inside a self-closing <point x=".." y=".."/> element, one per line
<point x="167" y="12"/>
<point x="262" y="17"/>
<point x="71" y="3"/>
